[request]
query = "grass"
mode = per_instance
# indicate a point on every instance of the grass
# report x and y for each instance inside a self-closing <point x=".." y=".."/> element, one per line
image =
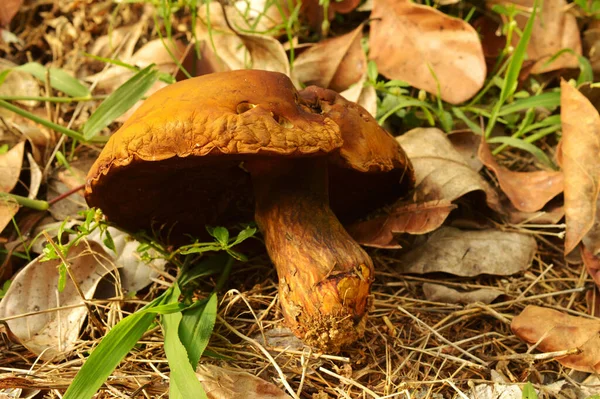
<point x="399" y="354"/>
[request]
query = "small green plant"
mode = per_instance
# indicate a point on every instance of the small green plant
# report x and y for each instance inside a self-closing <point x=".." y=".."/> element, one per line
<point x="529" y="391"/>
<point x="4" y="288"/>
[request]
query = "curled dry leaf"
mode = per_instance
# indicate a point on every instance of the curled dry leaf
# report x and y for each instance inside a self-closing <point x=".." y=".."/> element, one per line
<point x="8" y="209"/>
<point x="430" y="50"/>
<point x="471" y="253"/>
<point x="552" y="331"/>
<point x="19" y="83"/>
<point x="554" y="29"/>
<point x="221" y="383"/>
<point x="592" y="264"/>
<point x="362" y="94"/>
<point x="466" y="143"/>
<point x="236" y="48"/>
<point x="441" y="293"/>
<point x="441" y="172"/>
<point x="409" y="218"/>
<point x="11" y="163"/>
<point x="527" y="191"/>
<point x="581" y="166"/>
<point x="35" y="289"/>
<point x="333" y="63"/>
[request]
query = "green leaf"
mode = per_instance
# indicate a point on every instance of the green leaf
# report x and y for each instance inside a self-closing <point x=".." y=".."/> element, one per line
<point x="120" y="101"/>
<point x="523" y="145"/>
<point x="109" y="242"/>
<point x="529" y="391"/>
<point x="446" y="121"/>
<point x="196" y="327"/>
<point x="59" y="79"/>
<point x="544" y="100"/>
<point x="221" y="234"/>
<point x="111" y="350"/>
<point x="183" y="381"/>
<point x="62" y="277"/>
<point x="4" y="75"/>
<point x="372" y="71"/>
<point x="472" y="125"/>
<point x="244" y="235"/>
<point x="211" y="265"/>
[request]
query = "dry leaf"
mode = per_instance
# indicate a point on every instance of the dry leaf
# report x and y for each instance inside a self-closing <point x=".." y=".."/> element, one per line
<point x="19" y="83"/>
<point x="591" y="42"/>
<point x="314" y="13"/>
<point x="418" y="218"/>
<point x="554" y="29"/>
<point x="8" y="10"/>
<point x="279" y="337"/>
<point x="466" y="143"/>
<point x="236" y="49"/>
<point x="35" y="179"/>
<point x="581" y="166"/>
<point x="551" y="331"/>
<point x="265" y="15"/>
<point x="35" y="289"/>
<point x="527" y="191"/>
<point x="63" y="180"/>
<point x="8" y="209"/>
<point x="11" y="163"/>
<point x="471" y="253"/>
<point x="440" y="171"/>
<point x="500" y="389"/>
<point x="551" y="214"/>
<point x="221" y="383"/>
<point x="335" y="63"/>
<point x="592" y="264"/>
<point x="426" y="48"/>
<point x="362" y="94"/>
<point x="441" y="293"/>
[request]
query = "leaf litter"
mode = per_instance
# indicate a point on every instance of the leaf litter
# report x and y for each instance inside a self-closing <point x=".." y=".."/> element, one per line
<point x="424" y="354"/>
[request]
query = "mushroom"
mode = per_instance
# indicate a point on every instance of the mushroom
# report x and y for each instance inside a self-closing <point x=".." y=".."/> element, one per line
<point x="215" y="149"/>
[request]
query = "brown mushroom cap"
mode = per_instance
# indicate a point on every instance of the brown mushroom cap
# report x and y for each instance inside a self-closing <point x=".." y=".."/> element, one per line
<point x="175" y="165"/>
<point x="176" y="161"/>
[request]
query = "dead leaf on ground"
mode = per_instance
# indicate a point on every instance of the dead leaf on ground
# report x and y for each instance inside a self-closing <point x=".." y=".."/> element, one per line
<point x="35" y="177"/>
<point x="363" y="94"/>
<point x="265" y="15"/>
<point x="11" y="163"/>
<point x="471" y="253"/>
<point x="430" y="50"/>
<point x="64" y="179"/>
<point x="581" y="167"/>
<point x="8" y="10"/>
<point x="279" y="337"/>
<point x="591" y="43"/>
<point x="19" y="83"/>
<point x="239" y="50"/>
<point x="314" y="12"/>
<point x="8" y="209"/>
<point x="441" y="293"/>
<point x="592" y="264"/>
<point x="500" y="389"/>
<point x="551" y="331"/>
<point x="551" y="214"/>
<point x="466" y="143"/>
<point x="419" y="218"/>
<point x="334" y="63"/>
<point x="221" y="383"/>
<point x="35" y="289"/>
<point x="527" y="191"/>
<point x="554" y="29"/>
<point x="441" y="172"/>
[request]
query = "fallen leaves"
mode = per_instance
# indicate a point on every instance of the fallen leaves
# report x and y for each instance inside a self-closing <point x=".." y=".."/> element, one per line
<point x="470" y="253"/>
<point x="527" y="191"/>
<point x="430" y="50"/>
<point x="334" y="63"/>
<point x="221" y="383"/>
<point x="11" y="163"/>
<point x="580" y="164"/>
<point x="553" y="331"/>
<point x="8" y="10"/>
<point x="441" y="293"/>
<point x="554" y="29"/>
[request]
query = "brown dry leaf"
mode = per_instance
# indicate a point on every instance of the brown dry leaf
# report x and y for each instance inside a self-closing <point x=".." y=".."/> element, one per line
<point x="527" y="191"/>
<point x="62" y="180"/>
<point x="441" y="293"/>
<point x="8" y="10"/>
<point x="554" y="29"/>
<point x="426" y="48"/>
<point x="19" y="83"/>
<point x="314" y="13"/>
<point x="11" y="163"/>
<point x="551" y="330"/>
<point x="591" y="43"/>
<point x="362" y="94"/>
<point x="236" y="49"/>
<point x="335" y="63"/>
<point x="441" y="172"/>
<point x="35" y="289"/>
<point x="221" y="383"/>
<point x="581" y="166"/>
<point x="8" y="209"/>
<point x="412" y="218"/>
<point x="592" y="264"/>
<point x="471" y="253"/>
<point x="466" y="143"/>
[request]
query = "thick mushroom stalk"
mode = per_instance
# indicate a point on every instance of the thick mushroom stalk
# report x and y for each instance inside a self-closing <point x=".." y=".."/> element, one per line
<point x="324" y="275"/>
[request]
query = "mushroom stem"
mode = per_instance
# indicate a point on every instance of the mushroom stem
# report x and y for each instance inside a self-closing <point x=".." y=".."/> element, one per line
<point x="324" y="275"/>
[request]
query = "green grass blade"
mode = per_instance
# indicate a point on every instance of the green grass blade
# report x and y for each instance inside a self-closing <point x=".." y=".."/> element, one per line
<point x="183" y="381"/>
<point x="544" y="100"/>
<point x="512" y="72"/>
<point x="525" y="146"/>
<point x="59" y="79"/>
<point x="472" y="125"/>
<point x="50" y="125"/>
<point x="196" y="328"/>
<point x="111" y="350"/>
<point x="120" y="101"/>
